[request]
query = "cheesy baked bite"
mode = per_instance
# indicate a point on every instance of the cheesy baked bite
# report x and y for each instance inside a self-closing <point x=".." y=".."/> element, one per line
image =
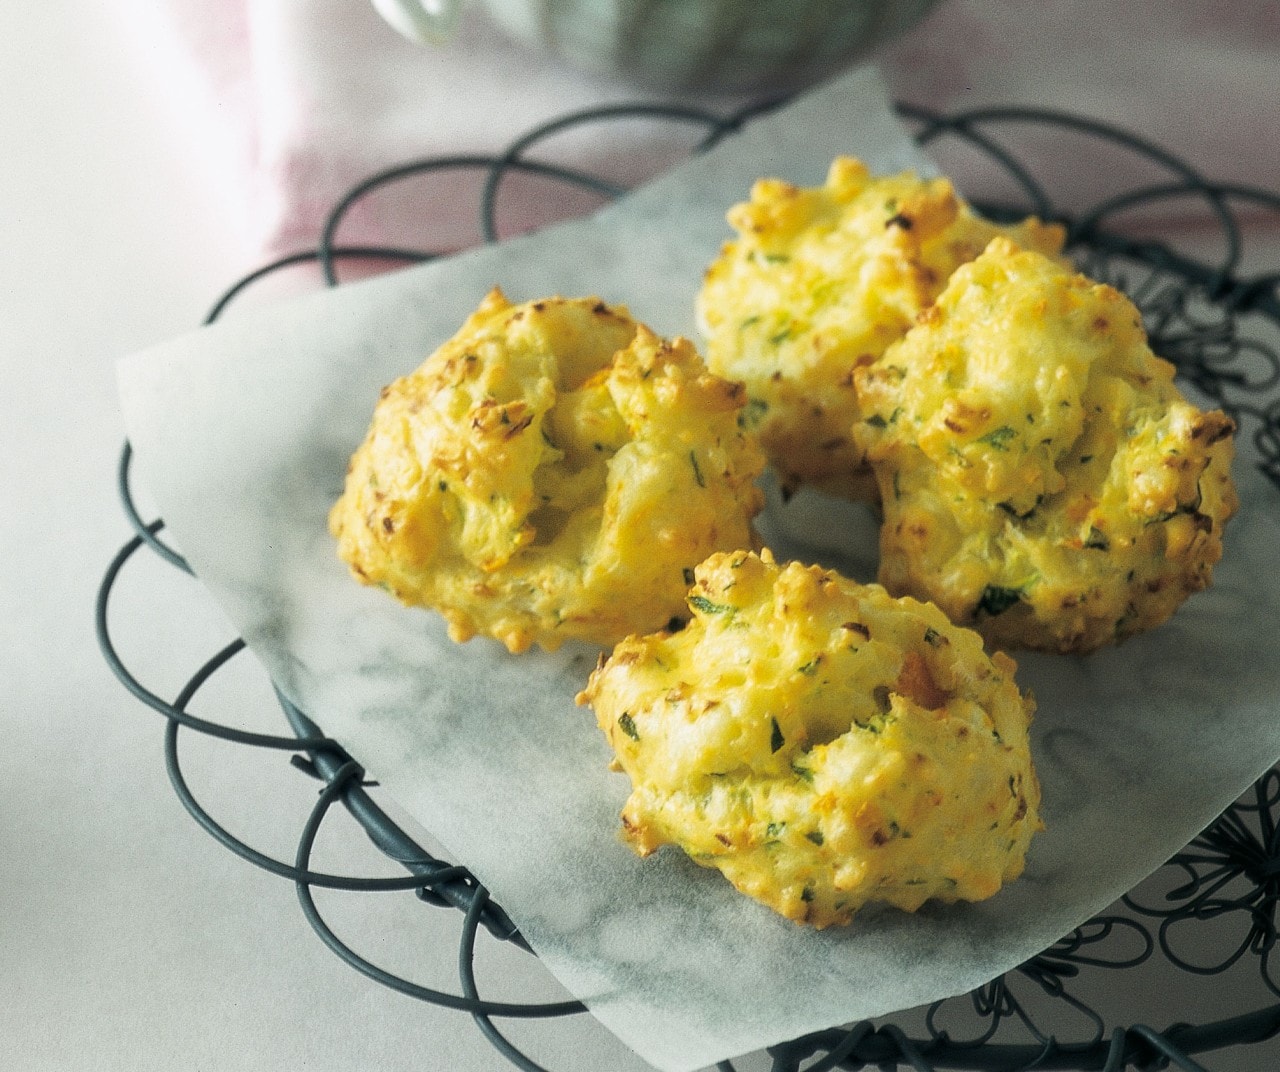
<point x="821" y="743"/>
<point x="1042" y="477"/>
<point x="554" y="470"/>
<point x="821" y="280"/>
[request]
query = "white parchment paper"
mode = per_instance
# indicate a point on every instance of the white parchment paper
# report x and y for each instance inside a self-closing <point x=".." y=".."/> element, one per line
<point x="242" y="433"/>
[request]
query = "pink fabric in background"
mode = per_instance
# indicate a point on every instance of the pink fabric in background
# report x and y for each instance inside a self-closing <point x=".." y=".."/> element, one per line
<point x="290" y="102"/>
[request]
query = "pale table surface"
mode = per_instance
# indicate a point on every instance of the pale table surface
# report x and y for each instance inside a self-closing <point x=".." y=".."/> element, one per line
<point x="128" y="938"/>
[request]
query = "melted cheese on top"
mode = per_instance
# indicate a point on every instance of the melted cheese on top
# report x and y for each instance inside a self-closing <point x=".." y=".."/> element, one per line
<point x="554" y="470"/>
<point x="821" y="280"/>
<point x="1041" y="475"/>
<point x="821" y="743"/>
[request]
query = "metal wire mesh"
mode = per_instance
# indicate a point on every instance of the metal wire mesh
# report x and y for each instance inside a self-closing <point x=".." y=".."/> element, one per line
<point x="1199" y="315"/>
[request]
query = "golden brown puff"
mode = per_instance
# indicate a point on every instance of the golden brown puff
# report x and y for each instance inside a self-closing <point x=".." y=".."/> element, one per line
<point x="1042" y="478"/>
<point x="821" y="280"/>
<point x="821" y="743"/>
<point x="554" y="470"/>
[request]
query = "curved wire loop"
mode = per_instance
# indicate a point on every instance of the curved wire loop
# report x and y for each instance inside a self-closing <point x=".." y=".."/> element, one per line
<point x="327" y="251"/>
<point x="513" y="155"/>
<point x="1231" y="870"/>
<point x="1229" y="874"/>
<point x="174" y="712"/>
<point x="470" y="1002"/>
<point x="450" y="886"/>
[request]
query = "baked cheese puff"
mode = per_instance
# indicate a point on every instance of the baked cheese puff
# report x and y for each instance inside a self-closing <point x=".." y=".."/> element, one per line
<point x="821" y="743"/>
<point x="1042" y="478"/>
<point x="821" y="280"/>
<point x="554" y="470"/>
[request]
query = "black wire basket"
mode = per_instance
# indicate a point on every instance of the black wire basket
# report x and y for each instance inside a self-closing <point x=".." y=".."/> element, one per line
<point x="1208" y="317"/>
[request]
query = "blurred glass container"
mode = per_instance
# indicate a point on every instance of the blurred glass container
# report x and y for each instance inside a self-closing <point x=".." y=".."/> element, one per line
<point x="711" y="45"/>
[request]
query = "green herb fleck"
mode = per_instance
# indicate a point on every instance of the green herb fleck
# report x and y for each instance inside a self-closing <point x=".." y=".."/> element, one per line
<point x="811" y="667"/>
<point x="999" y="438"/>
<point x="697" y="471"/>
<point x="996" y="599"/>
<point x="876" y="421"/>
<point x="628" y="726"/>
<point x="706" y="606"/>
<point x="776" y="740"/>
<point x="805" y="774"/>
<point x="774" y="830"/>
<point x="1022" y="515"/>
<point x="815" y="836"/>
<point x="876" y="723"/>
<point x="1097" y="540"/>
<point x="807" y="894"/>
<point x="688" y="575"/>
<point x="753" y="413"/>
<point x="932" y="637"/>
